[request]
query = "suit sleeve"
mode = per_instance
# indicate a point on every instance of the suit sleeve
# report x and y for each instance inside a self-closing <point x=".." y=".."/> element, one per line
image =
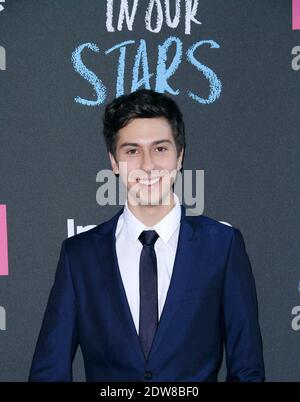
<point x="242" y="336"/>
<point x="58" y="338"/>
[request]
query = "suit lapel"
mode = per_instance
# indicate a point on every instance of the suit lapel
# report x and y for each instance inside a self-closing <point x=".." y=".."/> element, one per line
<point x="109" y="265"/>
<point x="185" y="259"/>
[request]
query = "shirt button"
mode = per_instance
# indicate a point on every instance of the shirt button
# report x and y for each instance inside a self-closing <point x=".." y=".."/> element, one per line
<point x="147" y="375"/>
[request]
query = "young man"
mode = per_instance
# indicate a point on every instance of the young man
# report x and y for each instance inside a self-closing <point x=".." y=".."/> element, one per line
<point x="151" y="294"/>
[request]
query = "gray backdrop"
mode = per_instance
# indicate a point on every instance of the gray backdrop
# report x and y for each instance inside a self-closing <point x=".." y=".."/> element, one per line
<point x="51" y="149"/>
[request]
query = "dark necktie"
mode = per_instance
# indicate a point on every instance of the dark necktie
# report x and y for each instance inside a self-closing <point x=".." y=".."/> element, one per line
<point x="148" y="290"/>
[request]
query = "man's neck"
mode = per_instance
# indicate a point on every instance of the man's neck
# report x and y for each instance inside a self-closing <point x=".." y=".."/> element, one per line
<point x="150" y="215"/>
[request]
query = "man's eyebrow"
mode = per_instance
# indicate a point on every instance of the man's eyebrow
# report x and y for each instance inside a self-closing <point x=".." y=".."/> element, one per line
<point x="135" y="144"/>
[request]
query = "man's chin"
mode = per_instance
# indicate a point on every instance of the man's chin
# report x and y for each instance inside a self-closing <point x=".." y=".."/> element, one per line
<point x="152" y="201"/>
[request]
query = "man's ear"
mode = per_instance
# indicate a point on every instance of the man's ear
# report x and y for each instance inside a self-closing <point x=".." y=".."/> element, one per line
<point x="114" y="164"/>
<point x="179" y="160"/>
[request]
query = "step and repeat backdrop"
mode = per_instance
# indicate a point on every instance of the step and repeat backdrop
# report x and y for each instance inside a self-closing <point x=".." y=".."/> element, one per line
<point x="232" y="66"/>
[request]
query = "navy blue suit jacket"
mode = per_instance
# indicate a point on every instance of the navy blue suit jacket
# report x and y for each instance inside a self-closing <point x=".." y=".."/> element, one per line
<point x="211" y="302"/>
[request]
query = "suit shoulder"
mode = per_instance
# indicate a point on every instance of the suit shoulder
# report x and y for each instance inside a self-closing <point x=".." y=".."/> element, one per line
<point x="212" y="226"/>
<point x="88" y="236"/>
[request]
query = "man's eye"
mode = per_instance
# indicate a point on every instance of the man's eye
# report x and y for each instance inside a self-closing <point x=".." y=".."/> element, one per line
<point x="161" y="149"/>
<point x="131" y="151"/>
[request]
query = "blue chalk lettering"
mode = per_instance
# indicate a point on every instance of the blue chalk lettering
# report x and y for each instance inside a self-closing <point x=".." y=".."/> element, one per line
<point x="121" y="65"/>
<point x="88" y="75"/>
<point x="162" y="72"/>
<point x="214" y="82"/>
<point x="141" y="59"/>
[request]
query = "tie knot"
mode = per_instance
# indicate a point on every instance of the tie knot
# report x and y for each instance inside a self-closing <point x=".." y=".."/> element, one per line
<point x="148" y="237"/>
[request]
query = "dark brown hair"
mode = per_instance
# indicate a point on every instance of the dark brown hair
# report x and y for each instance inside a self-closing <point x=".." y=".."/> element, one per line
<point x="143" y="103"/>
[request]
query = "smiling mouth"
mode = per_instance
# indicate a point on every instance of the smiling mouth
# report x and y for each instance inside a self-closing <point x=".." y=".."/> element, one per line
<point x="150" y="182"/>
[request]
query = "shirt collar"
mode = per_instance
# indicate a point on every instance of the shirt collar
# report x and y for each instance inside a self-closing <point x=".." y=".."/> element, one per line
<point x="164" y="228"/>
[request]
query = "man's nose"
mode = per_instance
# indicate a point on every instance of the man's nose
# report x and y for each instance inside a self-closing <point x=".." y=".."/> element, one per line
<point x="147" y="163"/>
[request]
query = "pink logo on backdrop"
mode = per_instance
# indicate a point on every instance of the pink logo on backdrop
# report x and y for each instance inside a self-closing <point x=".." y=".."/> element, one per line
<point x="296" y="14"/>
<point x="3" y="242"/>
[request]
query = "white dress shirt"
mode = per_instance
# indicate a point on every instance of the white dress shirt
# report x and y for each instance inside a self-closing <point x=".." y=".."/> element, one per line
<point x="128" y="248"/>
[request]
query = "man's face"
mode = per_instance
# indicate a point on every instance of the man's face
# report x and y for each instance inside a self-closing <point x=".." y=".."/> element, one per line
<point x="146" y="159"/>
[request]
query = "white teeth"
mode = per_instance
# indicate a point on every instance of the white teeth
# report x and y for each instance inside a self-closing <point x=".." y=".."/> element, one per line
<point x="149" y="182"/>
